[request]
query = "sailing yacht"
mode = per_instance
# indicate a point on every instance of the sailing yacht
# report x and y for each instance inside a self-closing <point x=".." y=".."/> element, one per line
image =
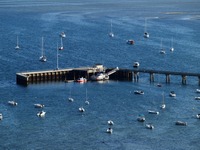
<point x="146" y="34"/>
<point x="111" y="34"/>
<point x="43" y="57"/>
<point x="162" y="51"/>
<point x="163" y="106"/>
<point x="172" y="48"/>
<point x="61" y="44"/>
<point x="17" y="46"/>
<point x="70" y="97"/>
<point x="86" y="99"/>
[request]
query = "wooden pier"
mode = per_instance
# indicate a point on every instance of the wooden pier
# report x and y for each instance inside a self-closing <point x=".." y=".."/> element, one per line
<point x="72" y="74"/>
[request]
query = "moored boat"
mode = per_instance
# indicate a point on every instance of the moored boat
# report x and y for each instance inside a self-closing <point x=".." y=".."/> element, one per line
<point x="140" y="92"/>
<point x="153" y="112"/>
<point x="172" y="94"/>
<point x="81" y="80"/>
<point x="109" y="130"/>
<point x="141" y="118"/>
<point x="110" y="122"/>
<point x="38" y="105"/>
<point x="13" y="103"/>
<point x="41" y="113"/>
<point x="1" y="116"/>
<point x="130" y="42"/>
<point x="81" y="109"/>
<point x="181" y="123"/>
<point x="149" y="126"/>
<point x="136" y="64"/>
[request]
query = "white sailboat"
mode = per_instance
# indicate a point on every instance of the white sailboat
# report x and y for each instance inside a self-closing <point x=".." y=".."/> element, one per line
<point x="57" y="58"/>
<point x="172" y="48"/>
<point x="61" y="44"/>
<point x="86" y="99"/>
<point x="43" y="57"/>
<point x="146" y="34"/>
<point x="17" y="46"/>
<point x="70" y="96"/>
<point x="163" y="106"/>
<point x="111" y="34"/>
<point x="162" y="51"/>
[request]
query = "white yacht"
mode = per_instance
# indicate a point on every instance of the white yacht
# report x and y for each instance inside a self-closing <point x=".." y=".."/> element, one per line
<point x="140" y="92"/>
<point x="110" y="122"/>
<point x="1" y="116"/>
<point x="41" y="113"/>
<point x="109" y="130"/>
<point x="153" y="112"/>
<point x="141" y="118"/>
<point x="172" y="94"/>
<point x="198" y="90"/>
<point x="136" y="64"/>
<point x="38" y="105"/>
<point x="62" y="34"/>
<point x="70" y="99"/>
<point x="43" y="58"/>
<point x="149" y="126"/>
<point x="172" y="48"/>
<point x="181" y="123"/>
<point x="198" y="116"/>
<point x="81" y="109"/>
<point x="111" y="34"/>
<point x="146" y="34"/>
<point x="13" y="103"/>
<point x="17" y="46"/>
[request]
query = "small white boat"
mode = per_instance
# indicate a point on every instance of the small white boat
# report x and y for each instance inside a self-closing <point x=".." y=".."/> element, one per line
<point x="159" y="85"/>
<point x="41" y="113"/>
<point x="149" y="126"/>
<point x="38" y="105"/>
<point x="141" y="118"/>
<point x="198" y="90"/>
<point x="81" y="109"/>
<point x="70" y="99"/>
<point x="13" y="103"/>
<point x="140" y="92"/>
<point x="153" y="112"/>
<point x="197" y="98"/>
<point x="62" y="34"/>
<point x="136" y="64"/>
<point x="109" y="130"/>
<point x="1" y="116"/>
<point x="110" y="122"/>
<point x="146" y="34"/>
<point x="87" y="102"/>
<point x="130" y="42"/>
<point x="198" y="116"/>
<point x="163" y="106"/>
<point x="81" y="80"/>
<point x="172" y="94"/>
<point x="162" y="51"/>
<point x="181" y="123"/>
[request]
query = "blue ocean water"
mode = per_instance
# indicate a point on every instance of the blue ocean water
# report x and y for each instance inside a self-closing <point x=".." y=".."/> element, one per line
<point x="87" y="25"/>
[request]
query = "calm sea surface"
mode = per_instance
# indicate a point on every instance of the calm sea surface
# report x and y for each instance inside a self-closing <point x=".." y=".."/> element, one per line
<point x="87" y="24"/>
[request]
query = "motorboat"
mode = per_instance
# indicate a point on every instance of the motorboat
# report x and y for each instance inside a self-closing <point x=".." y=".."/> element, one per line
<point x="136" y="64"/>
<point x="198" y="90"/>
<point x="13" y="103"/>
<point x="141" y="118"/>
<point x="110" y="122"/>
<point x="81" y="109"/>
<point x="99" y="76"/>
<point x="198" y="116"/>
<point x="62" y="34"/>
<point x="197" y="98"/>
<point x="140" y="92"/>
<point x="41" y="113"/>
<point x="149" y="126"/>
<point x="181" y="123"/>
<point x="87" y="102"/>
<point x="38" y="105"/>
<point x="70" y="99"/>
<point x="162" y="51"/>
<point x="109" y="130"/>
<point x="130" y="42"/>
<point x="153" y="112"/>
<point x="81" y="80"/>
<point x="146" y="34"/>
<point x="172" y="94"/>
<point x="163" y="106"/>
<point x="1" y="116"/>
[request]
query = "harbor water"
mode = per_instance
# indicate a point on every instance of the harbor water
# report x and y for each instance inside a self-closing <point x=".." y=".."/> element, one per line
<point x="87" y="25"/>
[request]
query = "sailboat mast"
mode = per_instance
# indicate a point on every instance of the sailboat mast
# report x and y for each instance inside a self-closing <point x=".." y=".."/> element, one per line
<point x="57" y="57"/>
<point x="42" y="47"/>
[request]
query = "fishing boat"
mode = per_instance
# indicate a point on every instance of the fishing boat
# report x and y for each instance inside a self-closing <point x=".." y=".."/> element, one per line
<point x="172" y="48"/>
<point x="109" y="130"/>
<point x="136" y="64"/>
<point x="146" y="34"/>
<point x="41" y="113"/>
<point x="149" y="126"/>
<point x="61" y="44"/>
<point x="62" y="35"/>
<point x="17" y="46"/>
<point x="181" y="123"/>
<point x="13" y="103"/>
<point x="111" y="34"/>
<point x="141" y="118"/>
<point x="39" y="105"/>
<point x="43" y="58"/>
